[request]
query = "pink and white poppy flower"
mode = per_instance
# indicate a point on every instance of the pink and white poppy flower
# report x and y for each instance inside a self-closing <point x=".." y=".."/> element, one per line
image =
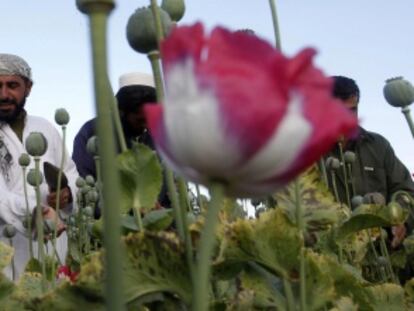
<point x="238" y="111"/>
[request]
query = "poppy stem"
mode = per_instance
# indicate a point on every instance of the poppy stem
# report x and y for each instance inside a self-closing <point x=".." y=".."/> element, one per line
<point x="275" y="24"/>
<point x="28" y="216"/>
<point x="205" y="250"/>
<point x="406" y="111"/>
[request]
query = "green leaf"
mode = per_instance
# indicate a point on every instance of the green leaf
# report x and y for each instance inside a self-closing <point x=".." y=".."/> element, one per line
<point x="6" y="255"/>
<point x="156" y="262"/>
<point x="388" y="297"/>
<point x="158" y="220"/>
<point x="152" y="263"/>
<point x="28" y="287"/>
<point x="264" y="285"/>
<point x="141" y="178"/>
<point x="271" y="241"/>
<point x="319" y="207"/>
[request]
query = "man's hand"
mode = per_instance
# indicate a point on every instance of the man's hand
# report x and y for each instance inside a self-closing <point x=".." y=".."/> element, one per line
<point x="48" y="213"/>
<point x="399" y="233"/>
<point x="64" y="198"/>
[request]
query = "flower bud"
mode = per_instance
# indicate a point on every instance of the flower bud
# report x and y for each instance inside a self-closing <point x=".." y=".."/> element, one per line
<point x="175" y="8"/>
<point x="34" y="177"/>
<point x="92" y="196"/>
<point x="409" y="244"/>
<point x="395" y="213"/>
<point x="332" y="163"/>
<point x="62" y="116"/>
<point x="398" y="92"/>
<point x="80" y="182"/>
<point x="88" y="211"/>
<point x="36" y="144"/>
<point x="90" y="180"/>
<point x="24" y="160"/>
<point x="9" y="231"/>
<point x="92" y="145"/>
<point x="141" y="32"/>
<point x="349" y="157"/>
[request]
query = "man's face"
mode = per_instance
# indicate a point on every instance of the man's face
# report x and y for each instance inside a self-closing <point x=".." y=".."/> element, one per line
<point x="136" y="121"/>
<point x="13" y="93"/>
<point x="352" y="104"/>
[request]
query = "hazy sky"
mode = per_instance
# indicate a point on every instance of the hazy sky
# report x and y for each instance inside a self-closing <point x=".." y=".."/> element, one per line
<point x="367" y="40"/>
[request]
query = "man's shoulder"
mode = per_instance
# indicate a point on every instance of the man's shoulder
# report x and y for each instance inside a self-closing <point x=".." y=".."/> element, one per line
<point x="372" y="136"/>
<point x="38" y="122"/>
<point x="87" y="129"/>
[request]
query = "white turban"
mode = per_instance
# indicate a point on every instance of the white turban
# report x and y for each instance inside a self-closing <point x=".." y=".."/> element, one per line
<point x="14" y="65"/>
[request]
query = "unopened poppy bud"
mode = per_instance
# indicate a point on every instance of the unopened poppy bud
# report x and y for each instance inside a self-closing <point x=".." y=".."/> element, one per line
<point x="34" y="177"/>
<point x="175" y="8"/>
<point x="141" y="34"/>
<point x="62" y="116"/>
<point x="382" y="261"/>
<point x="394" y="212"/>
<point x="88" y="211"/>
<point x="92" y="196"/>
<point x="36" y="144"/>
<point x="90" y="180"/>
<point x="332" y="163"/>
<point x="398" y="92"/>
<point x="374" y="198"/>
<point x="349" y="157"/>
<point x="409" y="244"/>
<point x="9" y="231"/>
<point x="80" y="182"/>
<point x="85" y="189"/>
<point x="24" y="160"/>
<point x="92" y="145"/>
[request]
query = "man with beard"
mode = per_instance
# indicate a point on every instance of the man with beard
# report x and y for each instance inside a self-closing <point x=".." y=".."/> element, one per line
<point x="15" y="126"/>
<point x="135" y="90"/>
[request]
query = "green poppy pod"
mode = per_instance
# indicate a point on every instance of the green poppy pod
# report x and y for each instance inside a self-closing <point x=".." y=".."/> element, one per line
<point x="36" y="144"/>
<point x="92" y="146"/>
<point x="80" y="182"/>
<point x="87" y="6"/>
<point x="90" y="180"/>
<point x="24" y="160"/>
<point x="399" y="92"/>
<point x="141" y="34"/>
<point x="349" y="157"/>
<point x="395" y="213"/>
<point x="34" y="177"/>
<point x="9" y="231"/>
<point x="332" y="163"/>
<point x="175" y="8"/>
<point x="62" y="116"/>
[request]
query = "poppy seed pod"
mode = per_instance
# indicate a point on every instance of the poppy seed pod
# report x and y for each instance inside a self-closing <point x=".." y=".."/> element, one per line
<point x="90" y="180"/>
<point x="141" y="34"/>
<point x="92" y="146"/>
<point x="409" y="244"/>
<point x="36" y="144"/>
<point x="92" y="196"/>
<point x="398" y="92"/>
<point x="62" y="116"/>
<point x="88" y="6"/>
<point x="9" y="231"/>
<point x="349" y="157"/>
<point x="24" y="160"/>
<point x="175" y="8"/>
<point x="332" y="163"/>
<point x="34" y="177"/>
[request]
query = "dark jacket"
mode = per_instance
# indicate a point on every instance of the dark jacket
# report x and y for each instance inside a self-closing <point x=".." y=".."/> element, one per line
<point x="86" y="164"/>
<point x="376" y="169"/>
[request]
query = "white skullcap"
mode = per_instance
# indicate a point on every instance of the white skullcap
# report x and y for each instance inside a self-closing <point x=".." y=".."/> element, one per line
<point x="12" y="65"/>
<point x="136" y="78"/>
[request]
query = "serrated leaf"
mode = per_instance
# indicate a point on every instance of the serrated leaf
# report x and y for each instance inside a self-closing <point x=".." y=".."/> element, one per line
<point x="141" y="178"/>
<point x="319" y="207"/>
<point x="360" y="222"/>
<point x="271" y="241"/>
<point x="152" y="263"/>
<point x="388" y="297"/>
<point x="28" y="287"/>
<point x="6" y="255"/>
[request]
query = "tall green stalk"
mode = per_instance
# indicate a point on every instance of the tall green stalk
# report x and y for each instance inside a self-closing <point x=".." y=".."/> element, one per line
<point x="301" y="225"/>
<point x="28" y="218"/>
<point x="275" y="25"/>
<point x="98" y="12"/>
<point x="406" y="111"/>
<point x="205" y="250"/>
<point x="343" y="165"/>
<point x="39" y="225"/>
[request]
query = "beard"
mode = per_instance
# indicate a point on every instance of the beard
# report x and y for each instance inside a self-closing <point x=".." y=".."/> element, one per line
<point x="11" y="115"/>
